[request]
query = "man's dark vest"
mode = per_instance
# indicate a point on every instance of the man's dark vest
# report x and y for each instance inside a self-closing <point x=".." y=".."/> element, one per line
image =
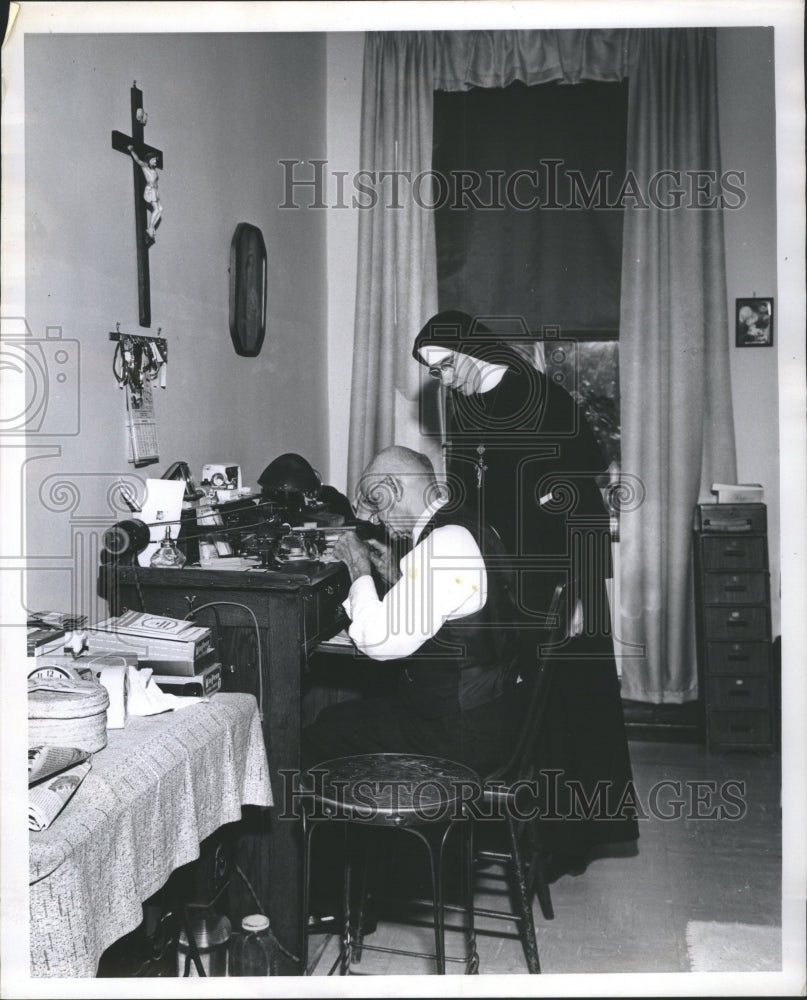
<point x="471" y="660"/>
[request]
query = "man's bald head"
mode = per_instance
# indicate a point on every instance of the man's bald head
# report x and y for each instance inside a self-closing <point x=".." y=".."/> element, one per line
<point x="396" y="487"/>
<point x="397" y="460"/>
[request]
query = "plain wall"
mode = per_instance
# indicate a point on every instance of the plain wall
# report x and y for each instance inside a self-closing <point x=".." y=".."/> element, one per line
<point x="344" y="73"/>
<point x="747" y="108"/>
<point x="224" y="109"/>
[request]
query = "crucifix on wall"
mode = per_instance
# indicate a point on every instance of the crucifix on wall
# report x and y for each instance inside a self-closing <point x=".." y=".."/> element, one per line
<point x="146" y="161"/>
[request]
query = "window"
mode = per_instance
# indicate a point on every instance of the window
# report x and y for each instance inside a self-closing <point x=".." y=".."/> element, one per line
<point x="528" y="224"/>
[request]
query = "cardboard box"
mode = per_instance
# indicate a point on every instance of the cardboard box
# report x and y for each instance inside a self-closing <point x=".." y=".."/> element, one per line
<point x="206" y="682"/>
<point x="172" y="646"/>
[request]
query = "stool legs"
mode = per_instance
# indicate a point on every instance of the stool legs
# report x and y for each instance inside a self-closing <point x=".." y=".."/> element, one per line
<point x="472" y="968"/>
<point x="306" y="831"/>
<point x="364" y="895"/>
<point x="436" y="865"/>
<point x="352" y="943"/>
<point x="347" y="945"/>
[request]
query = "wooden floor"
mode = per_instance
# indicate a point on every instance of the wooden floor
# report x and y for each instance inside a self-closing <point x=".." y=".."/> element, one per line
<point x="630" y="914"/>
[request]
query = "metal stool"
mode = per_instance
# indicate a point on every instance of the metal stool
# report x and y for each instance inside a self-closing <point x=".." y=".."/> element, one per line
<point x="420" y="795"/>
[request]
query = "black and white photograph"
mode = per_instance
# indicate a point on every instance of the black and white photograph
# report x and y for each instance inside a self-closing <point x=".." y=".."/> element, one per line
<point x="754" y="323"/>
<point x="403" y="569"/>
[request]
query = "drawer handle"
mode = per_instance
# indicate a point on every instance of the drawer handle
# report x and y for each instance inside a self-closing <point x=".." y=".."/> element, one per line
<point x="744" y="525"/>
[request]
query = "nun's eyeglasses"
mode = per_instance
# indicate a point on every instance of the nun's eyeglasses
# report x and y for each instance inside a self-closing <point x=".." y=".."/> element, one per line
<point x="436" y="371"/>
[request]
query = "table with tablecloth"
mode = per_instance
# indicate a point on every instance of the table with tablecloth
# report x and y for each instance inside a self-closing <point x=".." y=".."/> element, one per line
<point x="161" y="786"/>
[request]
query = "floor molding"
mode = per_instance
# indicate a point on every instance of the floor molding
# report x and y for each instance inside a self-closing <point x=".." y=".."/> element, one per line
<point x="664" y="723"/>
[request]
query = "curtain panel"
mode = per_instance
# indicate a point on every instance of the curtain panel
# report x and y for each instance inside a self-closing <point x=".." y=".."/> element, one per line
<point x="396" y="288"/>
<point x="677" y="423"/>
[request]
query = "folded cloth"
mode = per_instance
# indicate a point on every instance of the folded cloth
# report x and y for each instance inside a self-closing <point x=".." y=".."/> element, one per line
<point x="146" y="698"/>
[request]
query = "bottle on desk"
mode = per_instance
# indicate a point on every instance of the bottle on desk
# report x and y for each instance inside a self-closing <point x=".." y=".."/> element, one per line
<point x="254" y="952"/>
<point x="167" y="556"/>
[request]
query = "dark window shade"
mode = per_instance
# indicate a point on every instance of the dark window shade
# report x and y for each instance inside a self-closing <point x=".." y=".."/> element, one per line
<point x="553" y="266"/>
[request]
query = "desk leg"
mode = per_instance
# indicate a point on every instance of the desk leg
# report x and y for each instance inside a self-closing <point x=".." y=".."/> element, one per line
<point x="282" y="725"/>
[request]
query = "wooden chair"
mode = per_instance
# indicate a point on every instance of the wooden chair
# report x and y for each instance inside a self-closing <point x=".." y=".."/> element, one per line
<point x="522" y="856"/>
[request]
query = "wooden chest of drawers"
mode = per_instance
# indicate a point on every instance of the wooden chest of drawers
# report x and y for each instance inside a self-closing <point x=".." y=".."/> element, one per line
<point x="733" y="620"/>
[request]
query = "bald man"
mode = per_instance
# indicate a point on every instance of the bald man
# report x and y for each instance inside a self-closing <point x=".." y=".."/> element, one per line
<point x="448" y="616"/>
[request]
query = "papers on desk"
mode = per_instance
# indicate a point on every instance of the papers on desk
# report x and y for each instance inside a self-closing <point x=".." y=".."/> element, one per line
<point x="340" y="641"/>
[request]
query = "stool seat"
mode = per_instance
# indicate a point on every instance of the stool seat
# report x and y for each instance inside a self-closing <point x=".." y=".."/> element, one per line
<point x="392" y="789"/>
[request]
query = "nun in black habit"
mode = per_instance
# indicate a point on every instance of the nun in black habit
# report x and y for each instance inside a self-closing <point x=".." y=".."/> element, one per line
<point x="520" y="452"/>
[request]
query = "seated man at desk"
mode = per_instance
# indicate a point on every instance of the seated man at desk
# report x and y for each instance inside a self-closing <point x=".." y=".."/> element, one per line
<point x="447" y="616"/>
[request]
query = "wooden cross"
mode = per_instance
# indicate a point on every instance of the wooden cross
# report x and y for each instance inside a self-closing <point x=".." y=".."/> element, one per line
<point x="134" y="143"/>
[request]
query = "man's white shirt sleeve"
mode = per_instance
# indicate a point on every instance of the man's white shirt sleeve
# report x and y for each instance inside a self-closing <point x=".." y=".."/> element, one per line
<point x="442" y="578"/>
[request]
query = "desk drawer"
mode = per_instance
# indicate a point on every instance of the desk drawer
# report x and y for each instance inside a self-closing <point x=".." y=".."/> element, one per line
<point x="729" y="553"/>
<point x="738" y="693"/>
<point x="322" y="611"/>
<point x="737" y="624"/>
<point x="738" y="658"/>
<point x="740" y="728"/>
<point x="728" y="518"/>
<point x="734" y="588"/>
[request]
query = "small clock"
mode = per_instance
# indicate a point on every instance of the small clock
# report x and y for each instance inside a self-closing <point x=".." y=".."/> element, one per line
<point x="247" y="290"/>
<point x="53" y="671"/>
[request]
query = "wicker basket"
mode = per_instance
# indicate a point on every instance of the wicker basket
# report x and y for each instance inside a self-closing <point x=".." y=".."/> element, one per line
<point x="68" y="714"/>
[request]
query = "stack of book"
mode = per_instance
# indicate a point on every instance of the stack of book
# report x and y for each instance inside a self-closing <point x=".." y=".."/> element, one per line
<point x="48" y="631"/>
<point x="738" y="492"/>
<point x="180" y="654"/>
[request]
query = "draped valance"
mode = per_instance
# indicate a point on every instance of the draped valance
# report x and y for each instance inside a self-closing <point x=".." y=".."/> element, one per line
<point x="465" y="59"/>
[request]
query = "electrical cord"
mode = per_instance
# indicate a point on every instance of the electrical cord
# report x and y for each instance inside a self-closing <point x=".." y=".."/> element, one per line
<point x="286" y="952"/>
<point x="244" y="607"/>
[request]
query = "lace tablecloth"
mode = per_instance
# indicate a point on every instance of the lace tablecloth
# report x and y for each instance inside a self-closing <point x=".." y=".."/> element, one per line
<point x="160" y="787"/>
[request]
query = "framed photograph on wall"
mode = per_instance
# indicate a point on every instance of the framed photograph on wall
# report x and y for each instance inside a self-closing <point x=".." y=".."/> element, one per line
<point x="754" y="323"/>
